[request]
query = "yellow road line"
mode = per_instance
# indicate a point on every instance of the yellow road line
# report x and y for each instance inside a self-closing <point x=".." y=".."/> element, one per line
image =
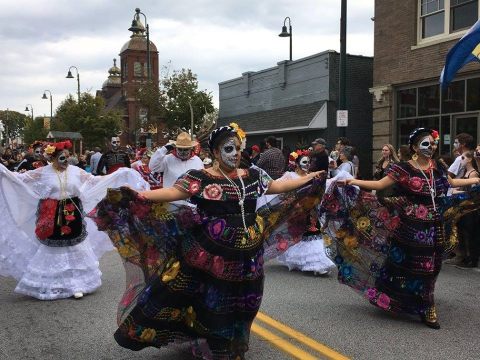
<point x="322" y="349"/>
<point x="283" y="344"/>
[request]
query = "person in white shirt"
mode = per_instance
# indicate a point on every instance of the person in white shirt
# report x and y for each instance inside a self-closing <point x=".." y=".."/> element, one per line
<point x="94" y="159"/>
<point x="175" y="159"/>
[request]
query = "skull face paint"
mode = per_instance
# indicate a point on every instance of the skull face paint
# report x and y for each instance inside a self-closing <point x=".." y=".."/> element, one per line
<point x="229" y="152"/>
<point x="115" y="142"/>
<point x="304" y="163"/>
<point x="184" y="153"/>
<point x="37" y="153"/>
<point x="427" y="146"/>
<point x="62" y="160"/>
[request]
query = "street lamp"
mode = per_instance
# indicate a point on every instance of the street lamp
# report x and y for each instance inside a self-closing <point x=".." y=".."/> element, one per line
<point x="31" y="109"/>
<point x="70" y="76"/>
<point x="286" y="33"/>
<point x="51" y="103"/>
<point x="342" y="103"/>
<point x="136" y="26"/>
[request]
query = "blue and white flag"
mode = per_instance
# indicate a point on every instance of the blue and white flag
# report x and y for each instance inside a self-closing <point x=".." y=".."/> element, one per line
<point x="466" y="50"/>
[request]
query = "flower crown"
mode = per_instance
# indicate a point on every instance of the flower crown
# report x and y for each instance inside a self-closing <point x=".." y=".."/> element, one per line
<point x="294" y="155"/>
<point x="53" y="147"/>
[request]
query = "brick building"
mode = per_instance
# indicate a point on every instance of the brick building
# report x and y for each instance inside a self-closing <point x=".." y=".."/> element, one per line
<point x="296" y="101"/>
<point x="120" y="88"/>
<point x="412" y="38"/>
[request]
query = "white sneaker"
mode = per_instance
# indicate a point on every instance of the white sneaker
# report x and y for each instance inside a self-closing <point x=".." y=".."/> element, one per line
<point x="78" y="295"/>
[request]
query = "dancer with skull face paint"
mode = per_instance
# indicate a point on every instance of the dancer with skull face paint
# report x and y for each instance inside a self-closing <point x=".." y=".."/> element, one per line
<point x="175" y="159"/>
<point x="203" y="266"/>
<point x="390" y="249"/>
<point x="46" y="243"/>
<point x="35" y="160"/>
<point x="113" y="159"/>
<point x="309" y="254"/>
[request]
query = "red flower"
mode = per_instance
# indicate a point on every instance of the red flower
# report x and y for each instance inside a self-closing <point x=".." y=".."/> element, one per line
<point x="421" y="212"/>
<point x="435" y="135"/>
<point x="393" y="223"/>
<point x="217" y="265"/>
<point x="383" y="214"/>
<point x="194" y="187"/>
<point x="383" y="301"/>
<point x="69" y="207"/>
<point x="415" y="183"/>
<point x="69" y="217"/>
<point x="65" y="230"/>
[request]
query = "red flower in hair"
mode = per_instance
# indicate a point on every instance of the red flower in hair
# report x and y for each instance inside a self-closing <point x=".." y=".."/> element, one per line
<point x="435" y="135"/>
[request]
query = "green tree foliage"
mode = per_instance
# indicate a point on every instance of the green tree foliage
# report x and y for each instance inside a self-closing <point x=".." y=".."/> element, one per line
<point x="89" y="118"/>
<point x="14" y="123"/>
<point x="34" y="130"/>
<point x="172" y="101"/>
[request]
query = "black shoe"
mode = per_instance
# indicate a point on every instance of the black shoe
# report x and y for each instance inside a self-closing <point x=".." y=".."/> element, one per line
<point x="429" y="318"/>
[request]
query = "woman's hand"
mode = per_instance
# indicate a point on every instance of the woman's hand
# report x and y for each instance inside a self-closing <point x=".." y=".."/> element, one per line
<point x="345" y="182"/>
<point x="316" y="174"/>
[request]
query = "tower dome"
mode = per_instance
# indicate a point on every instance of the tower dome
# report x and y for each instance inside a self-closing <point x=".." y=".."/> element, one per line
<point x="138" y="40"/>
<point x="114" y="78"/>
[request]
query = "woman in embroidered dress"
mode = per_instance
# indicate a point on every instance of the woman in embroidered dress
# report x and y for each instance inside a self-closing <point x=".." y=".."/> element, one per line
<point x="309" y="254"/>
<point x="390" y="249"/>
<point x="197" y="273"/>
<point x="45" y="241"/>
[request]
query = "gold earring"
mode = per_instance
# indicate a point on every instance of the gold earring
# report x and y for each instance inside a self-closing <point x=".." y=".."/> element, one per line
<point x="414" y="157"/>
<point x="216" y="165"/>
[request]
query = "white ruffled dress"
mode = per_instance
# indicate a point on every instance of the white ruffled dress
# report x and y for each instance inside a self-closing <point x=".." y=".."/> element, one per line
<point x="47" y="272"/>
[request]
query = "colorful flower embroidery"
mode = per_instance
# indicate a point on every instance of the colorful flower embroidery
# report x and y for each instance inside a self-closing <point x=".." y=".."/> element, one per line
<point x="421" y="212"/>
<point x="216" y="228"/>
<point x="213" y="192"/>
<point x="363" y="223"/>
<point x="371" y="294"/>
<point x="350" y="242"/>
<point x="193" y="186"/>
<point x="415" y="184"/>
<point x="65" y="230"/>
<point x="383" y="301"/>
<point x="383" y="214"/>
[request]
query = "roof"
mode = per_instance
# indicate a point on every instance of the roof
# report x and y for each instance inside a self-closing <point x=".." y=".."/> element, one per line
<point x="116" y="100"/>
<point x="291" y="118"/>
<point x="138" y="43"/>
<point x="64" y="135"/>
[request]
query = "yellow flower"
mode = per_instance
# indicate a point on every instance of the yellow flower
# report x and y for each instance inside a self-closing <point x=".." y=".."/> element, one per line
<point x="159" y="209"/>
<point x="294" y="155"/>
<point x="260" y="224"/>
<point x="50" y="149"/>
<point x="114" y="196"/>
<point x="350" y="242"/>
<point x="171" y="272"/>
<point x="148" y="335"/>
<point x="126" y="251"/>
<point x="363" y="223"/>
<point x="190" y="316"/>
<point x="327" y="240"/>
<point x="238" y="130"/>
<point x="341" y="233"/>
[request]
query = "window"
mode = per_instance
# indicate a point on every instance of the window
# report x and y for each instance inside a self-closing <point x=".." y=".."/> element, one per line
<point x="137" y="69"/>
<point x="473" y="94"/>
<point x="432" y="17"/>
<point x="453" y="98"/>
<point x="407" y="103"/>
<point x="444" y="17"/>
<point x="463" y="14"/>
<point x="405" y="127"/>
<point x="428" y="100"/>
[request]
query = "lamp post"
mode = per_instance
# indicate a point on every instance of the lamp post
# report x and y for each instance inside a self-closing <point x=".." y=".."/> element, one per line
<point x="31" y="109"/>
<point x="342" y="103"/>
<point x="70" y="76"/>
<point x="51" y="103"/>
<point x="286" y="33"/>
<point x="135" y="26"/>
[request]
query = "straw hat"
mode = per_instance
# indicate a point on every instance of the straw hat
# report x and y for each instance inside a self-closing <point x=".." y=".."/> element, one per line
<point x="184" y="141"/>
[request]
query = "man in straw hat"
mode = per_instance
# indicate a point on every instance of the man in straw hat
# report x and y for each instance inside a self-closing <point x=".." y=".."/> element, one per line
<point x="175" y="159"/>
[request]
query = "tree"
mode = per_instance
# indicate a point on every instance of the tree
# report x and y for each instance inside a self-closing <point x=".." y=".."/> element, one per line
<point x="34" y="130"/>
<point x="89" y="118"/>
<point x="173" y="100"/>
<point x="14" y="123"/>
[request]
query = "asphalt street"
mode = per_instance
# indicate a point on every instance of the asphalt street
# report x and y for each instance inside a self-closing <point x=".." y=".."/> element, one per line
<point x="318" y="307"/>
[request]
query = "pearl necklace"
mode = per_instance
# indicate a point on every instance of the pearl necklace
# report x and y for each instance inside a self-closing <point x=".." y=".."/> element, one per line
<point x="241" y="195"/>
<point x="432" y="187"/>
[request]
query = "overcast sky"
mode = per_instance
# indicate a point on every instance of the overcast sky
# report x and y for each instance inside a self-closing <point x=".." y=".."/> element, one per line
<point x="217" y="39"/>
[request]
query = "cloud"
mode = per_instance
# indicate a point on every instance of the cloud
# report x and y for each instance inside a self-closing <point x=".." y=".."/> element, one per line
<point x="218" y="40"/>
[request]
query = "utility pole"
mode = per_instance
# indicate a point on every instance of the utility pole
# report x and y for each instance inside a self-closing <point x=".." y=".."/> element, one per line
<point x="342" y="103"/>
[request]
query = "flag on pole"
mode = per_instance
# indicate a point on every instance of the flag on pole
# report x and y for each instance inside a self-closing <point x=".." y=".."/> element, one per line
<point x="466" y="50"/>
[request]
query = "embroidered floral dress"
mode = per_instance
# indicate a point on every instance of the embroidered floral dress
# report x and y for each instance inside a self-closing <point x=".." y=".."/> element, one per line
<point x="195" y="274"/>
<point x="391" y="249"/>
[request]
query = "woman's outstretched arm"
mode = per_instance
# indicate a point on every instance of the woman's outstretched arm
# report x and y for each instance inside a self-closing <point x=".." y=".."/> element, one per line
<point x="281" y="186"/>
<point x="165" y="195"/>
<point x="381" y="184"/>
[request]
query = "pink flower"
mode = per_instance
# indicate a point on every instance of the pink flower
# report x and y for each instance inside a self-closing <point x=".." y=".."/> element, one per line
<point x="421" y="212"/>
<point x="371" y="293"/>
<point x="428" y="265"/>
<point x="282" y="245"/>
<point x="218" y="265"/>
<point x="333" y="206"/>
<point x="416" y="184"/>
<point x="383" y="301"/>
<point x="65" y="230"/>
<point x="383" y="214"/>
<point x="194" y="187"/>
<point x="69" y="217"/>
<point x="213" y="192"/>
